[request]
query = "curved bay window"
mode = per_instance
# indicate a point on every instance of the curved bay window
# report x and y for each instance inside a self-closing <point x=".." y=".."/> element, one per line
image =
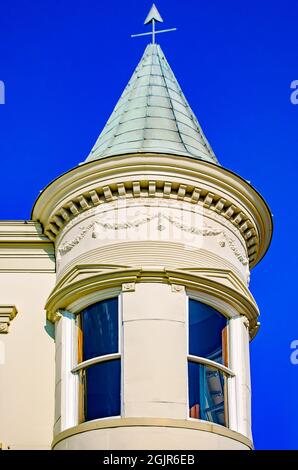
<point x="99" y="364"/>
<point x="207" y="364"/>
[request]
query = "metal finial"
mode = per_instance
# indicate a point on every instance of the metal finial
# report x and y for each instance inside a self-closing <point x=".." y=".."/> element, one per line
<point x="152" y="17"/>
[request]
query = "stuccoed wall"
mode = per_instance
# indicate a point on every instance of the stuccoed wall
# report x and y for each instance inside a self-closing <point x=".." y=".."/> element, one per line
<point x="154" y="352"/>
<point x="27" y="351"/>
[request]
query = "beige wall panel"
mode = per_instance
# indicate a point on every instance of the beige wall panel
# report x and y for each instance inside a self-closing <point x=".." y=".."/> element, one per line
<point x="154" y="352"/>
<point x="153" y="301"/>
<point x="151" y="409"/>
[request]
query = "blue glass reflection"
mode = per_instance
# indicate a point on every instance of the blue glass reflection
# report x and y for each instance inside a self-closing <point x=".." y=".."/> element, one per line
<point x="102" y="390"/>
<point x="206" y="393"/>
<point x="99" y="324"/>
<point x="205" y="331"/>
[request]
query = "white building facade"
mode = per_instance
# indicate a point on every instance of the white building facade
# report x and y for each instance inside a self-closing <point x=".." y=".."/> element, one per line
<point x="141" y="258"/>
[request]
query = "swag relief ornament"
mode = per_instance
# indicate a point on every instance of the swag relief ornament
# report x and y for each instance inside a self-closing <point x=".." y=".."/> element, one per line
<point x="103" y="228"/>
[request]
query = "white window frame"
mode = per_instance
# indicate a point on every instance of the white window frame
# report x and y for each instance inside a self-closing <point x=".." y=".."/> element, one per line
<point x="77" y="307"/>
<point x="228" y="312"/>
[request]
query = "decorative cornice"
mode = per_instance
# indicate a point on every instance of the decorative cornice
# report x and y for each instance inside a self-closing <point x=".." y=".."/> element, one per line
<point x="83" y="280"/>
<point x="24" y="248"/>
<point x="149" y="189"/>
<point x="162" y="176"/>
<point x="7" y="313"/>
<point x="22" y="231"/>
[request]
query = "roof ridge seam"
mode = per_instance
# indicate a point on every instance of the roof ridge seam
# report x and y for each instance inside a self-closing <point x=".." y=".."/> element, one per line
<point x="147" y="100"/>
<point x="195" y="120"/>
<point x="172" y="107"/>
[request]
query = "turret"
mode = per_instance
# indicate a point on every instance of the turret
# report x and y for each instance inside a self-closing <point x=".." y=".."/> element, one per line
<point x="154" y="244"/>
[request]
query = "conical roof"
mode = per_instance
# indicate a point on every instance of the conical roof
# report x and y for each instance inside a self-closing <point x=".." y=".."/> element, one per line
<point x="153" y="115"/>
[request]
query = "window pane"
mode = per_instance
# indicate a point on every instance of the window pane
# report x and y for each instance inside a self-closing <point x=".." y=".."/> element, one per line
<point x="100" y="329"/>
<point x="206" y="393"/>
<point x="205" y="331"/>
<point x="102" y="390"/>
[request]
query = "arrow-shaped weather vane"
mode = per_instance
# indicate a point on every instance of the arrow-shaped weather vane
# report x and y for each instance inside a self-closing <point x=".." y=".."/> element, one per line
<point x="152" y="17"/>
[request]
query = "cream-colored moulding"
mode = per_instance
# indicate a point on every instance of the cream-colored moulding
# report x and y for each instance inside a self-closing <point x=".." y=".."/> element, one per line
<point x="7" y="313"/>
<point x="88" y="279"/>
<point x="139" y="423"/>
<point x="151" y="175"/>
<point x="93" y="190"/>
<point x="24" y="248"/>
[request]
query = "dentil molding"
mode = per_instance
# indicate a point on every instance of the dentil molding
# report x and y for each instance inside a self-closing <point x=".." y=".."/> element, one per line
<point x="157" y="176"/>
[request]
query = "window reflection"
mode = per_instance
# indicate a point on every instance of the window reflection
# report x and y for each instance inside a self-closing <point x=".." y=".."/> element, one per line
<point x="206" y="393"/>
<point x="102" y="390"/>
<point x="207" y="384"/>
<point x="100" y="382"/>
<point x="99" y="325"/>
<point x="205" y="331"/>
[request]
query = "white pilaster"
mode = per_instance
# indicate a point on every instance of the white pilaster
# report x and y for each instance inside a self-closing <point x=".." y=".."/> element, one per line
<point x="66" y="408"/>
<point x="240" y="388"/>
<point x="154" y="352"/>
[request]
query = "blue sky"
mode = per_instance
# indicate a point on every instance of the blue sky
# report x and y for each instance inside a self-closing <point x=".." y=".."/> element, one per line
<point x="64" y="65"/>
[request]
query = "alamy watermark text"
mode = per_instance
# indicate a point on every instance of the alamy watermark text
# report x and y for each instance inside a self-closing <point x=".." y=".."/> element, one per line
<point x="2" y="92"/>
<point x="294" y="354"/>
<point x="294" y="94"/>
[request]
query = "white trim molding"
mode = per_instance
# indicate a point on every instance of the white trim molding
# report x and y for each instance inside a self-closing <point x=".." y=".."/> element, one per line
<point x="86" y="284"/>
<point x="24" y="248"/>
<point x="95" y="360"/>
<point x="85" y="300"/>
<point x="212" y="364"/>
<point x="66" y="382"/>
<point x="240" y="387"/>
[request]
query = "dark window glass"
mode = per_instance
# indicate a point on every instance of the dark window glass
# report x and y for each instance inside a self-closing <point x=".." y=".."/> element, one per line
<point x="205" y="331"/>
<point x="102" y="390"/>
<point x="99" y="324"/>
<point x="206" y="393"/>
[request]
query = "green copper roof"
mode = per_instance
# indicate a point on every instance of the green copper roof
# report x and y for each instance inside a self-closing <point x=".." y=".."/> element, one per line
<point x="153" y="115"/>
